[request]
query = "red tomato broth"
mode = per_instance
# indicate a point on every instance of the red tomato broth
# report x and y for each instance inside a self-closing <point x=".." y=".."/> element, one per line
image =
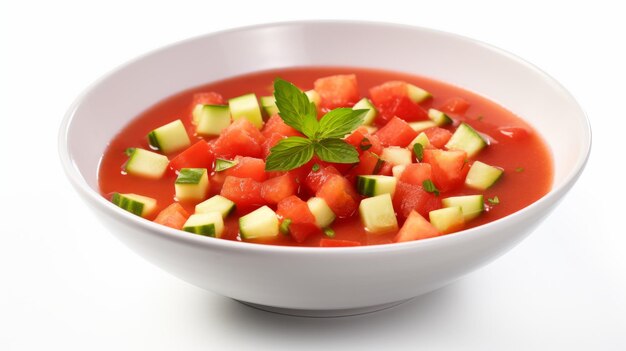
<point x="526" y="161"/>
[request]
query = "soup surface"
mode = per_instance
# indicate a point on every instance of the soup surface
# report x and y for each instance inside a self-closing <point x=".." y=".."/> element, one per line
<point x="489" y="161"/>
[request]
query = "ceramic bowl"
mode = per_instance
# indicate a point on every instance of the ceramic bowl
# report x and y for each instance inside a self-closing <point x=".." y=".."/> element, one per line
<point x="322" y="281"/>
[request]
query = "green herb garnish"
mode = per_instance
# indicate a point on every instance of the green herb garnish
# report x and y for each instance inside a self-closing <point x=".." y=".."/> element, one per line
<point x="190" y="175"/>
<point x="494" y="200"/>
<point x="418" y="150"/>
<point x="284" y="226"/>
<point x="221" y="164"/>
<point x="322" y="138"/>
<point x="430" y="187"/>
<point x="379" y="165"/>
<point x="329" y="232"/>
<point x="365" y="144"/>
<point x="315" y="168"/>
<point x="129" y="151"/>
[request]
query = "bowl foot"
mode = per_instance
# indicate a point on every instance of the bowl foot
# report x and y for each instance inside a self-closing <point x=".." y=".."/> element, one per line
<point x="324" y="313"/>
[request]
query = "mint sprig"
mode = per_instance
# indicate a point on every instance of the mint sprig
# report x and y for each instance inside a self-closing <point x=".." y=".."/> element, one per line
<point x="323" y="137"/>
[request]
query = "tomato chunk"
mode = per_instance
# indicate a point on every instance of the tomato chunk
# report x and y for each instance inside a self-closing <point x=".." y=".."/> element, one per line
<point x="513" y="133"/>
<point x="438" y="137"/>
<point x="416" y="227"/>
<point x="248" y="167"/>
<point x="314" y="180"/>
<point x="449" y="168"/>
<point x="401" y="107"/>
<point x="369" y="163"/>
<point x="302" y="220"/>
<point x="276" y="125"/>
<point x="416" y="173"/>
<point x="339" y="195"/>
<point x="173" y="216"/>
<point x="244" y="192"/>
<point x="388" y="91"/>
<point x="338" y="243"/>
<point x="396" y="133"/>
<point x="275" y="189"/>
<point x="410" y="197"/>
<point x="240" y="138"/>
<point x="270" y="142"/>
<point x="337" y="91"/>
<point x="198" y="155"/>
<point x="456" y="105"/>
<point x="363" y="141"/>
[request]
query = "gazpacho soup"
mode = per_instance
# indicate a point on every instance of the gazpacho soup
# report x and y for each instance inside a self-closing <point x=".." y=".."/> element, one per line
<point x="325" y="156"/>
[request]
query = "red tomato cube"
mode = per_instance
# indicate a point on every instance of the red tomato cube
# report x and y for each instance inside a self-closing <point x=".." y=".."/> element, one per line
<point x="363" y="141"/>
<point x="337" y="91"/>
<point x="240" y="138"/>
<point x="173" y="216"/>
<point x="410" y="197"/>
<point x="314" y="180"/>
<point x="198" y="155"/>
<point x="275" y="189"/>
<point x="416" y="173"/>
<point x="276" y="125"/>
<point x="455" y="105"/>
<point x="416" y="227"/>
<point x="396" y="133"/>
<point x="248" y="167"/>
<point x="438" y="137"/>
<point x="388" y="91"/>
<point x="401" y="107"/>
<point x="302" y="220"/>
<point x="244" y="192"/>
<point x="339" y="195"/>
<point x="449" y="168"/>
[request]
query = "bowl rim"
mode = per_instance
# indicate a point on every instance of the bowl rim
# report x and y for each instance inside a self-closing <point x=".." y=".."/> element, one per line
<point x="94" y="197"/>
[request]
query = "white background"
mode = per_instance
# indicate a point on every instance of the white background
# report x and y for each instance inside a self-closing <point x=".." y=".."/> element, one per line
<point x="65" y="283"/>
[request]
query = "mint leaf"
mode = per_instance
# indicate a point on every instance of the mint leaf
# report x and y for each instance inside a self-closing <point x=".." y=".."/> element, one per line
<point x="221" y="164"/>
<point x="418" y="150"/>
<point x="339" y="122"/>
<point x="430" y="187"/>
<point x="329" y="232"/>
<point x="289" y="153"/>
<point x="295" y="108"/>
<point x="336" y="151"/>
<point x="494" y="201"/>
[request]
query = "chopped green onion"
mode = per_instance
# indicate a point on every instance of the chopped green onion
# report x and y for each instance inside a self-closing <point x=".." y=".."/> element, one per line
<point x="284" y="226"/>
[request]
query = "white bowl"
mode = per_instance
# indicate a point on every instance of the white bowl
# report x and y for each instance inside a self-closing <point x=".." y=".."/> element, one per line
<point x="321" y="281"/>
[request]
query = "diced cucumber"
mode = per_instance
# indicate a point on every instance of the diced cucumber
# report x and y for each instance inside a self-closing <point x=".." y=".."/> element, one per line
<point x="147" y="164"/>
<point x="208" y="224"/>
<point x="422" y="125"/>
<point x="192" y="184"/>
<point x="440" y="118"/>
<point x="373" y="185"/>
<point x="417" y="94"/>
<point x="213" y="119"/>
<point x="471" y="205"/>
<point x="218" y="204"/>
<point x="397" y="170"/>
<point x="324" y="216"/>
<point x="136" y="204"/>
<point x="260" y="223"/>
<point x="482" y="176"/>
<point x="447" y="219"/>
<point x="370" y="129"/>
<point x="268" y="103"/>
<point x="397" y="155"/>
<point x="377" y="214"/>
<point x="169" y="138"/>
<point x="195" y="114"/>
<point x="421" y="138"/>
<point x="366" y="104"/>
<point x="313" y="96"/>
<point x="467" y="139"/>
<point x="246" y="106"/>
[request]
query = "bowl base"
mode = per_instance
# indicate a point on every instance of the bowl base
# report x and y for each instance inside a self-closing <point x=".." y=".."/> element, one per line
<point x="324" y="313"/>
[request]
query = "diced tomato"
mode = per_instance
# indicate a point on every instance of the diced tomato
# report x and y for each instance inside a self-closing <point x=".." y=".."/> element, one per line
<point x="240" y="138"/>
<point x="396" y="133"/>
<point x="244" y="192"/>
<point x="337" y="91"/>
<point x="416" y="173"/>
<point x="416" y="227"/>
<point x="438" y="137"/>
<point x="449" y="168"/>
<point x="248" y="167"/>
<point x="363" y="141"/>
<point x="369" y="163"/>
<point x="275" y="124"/>
<point x="338" y="243"/>
<point x="198" y="155"/>
<point x="270" y="142"/>
<point x="339" y="195"/>
<point x="388" y="91"/>
<point x="275" y="189"/>
<point x="314" y="180"/>
<point x="455" y="105"/>
<point x="513" y="133"/>
<point x="401" y="107"/>
<point x="410" y="197"/>
<point x="173" y="216"/>
<point x="302" y="220"/>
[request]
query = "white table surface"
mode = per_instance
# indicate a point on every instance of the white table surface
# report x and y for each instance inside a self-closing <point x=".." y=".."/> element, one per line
<point x="65" y="283"/>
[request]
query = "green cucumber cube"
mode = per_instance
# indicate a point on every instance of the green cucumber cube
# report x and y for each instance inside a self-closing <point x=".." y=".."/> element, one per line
<point x="208" y="224"/>
<point x="467" y="139"/>
<point x="482" y="176"/>
<point x="313" y="96"/>
<point x="246" y="106"/>
<point x="374" y="185"/>
<point x="258" y="224"/>
<point x="213" y="119"/>
<point x="268" y="103"/>
<point x="146" y="164"/>
<point x="447" y="219"/>
<point x="170" y="138"/>
<point x="440" y="118"/>
<point x="192" y="184"/>
<point x="323" y="214"/>
<point x="217" y="203"/>
<point x="471" y="205"/>
<point x="417" y="94"/>
<point x="136" y="204"/>
<point x="366" y="104"/>
<point x="421" y="138"/>
<point x="422" y="125"/>
<point x="397" y="155"/>
<point x="397" y="171"/>
<point x="377" y="214"/>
